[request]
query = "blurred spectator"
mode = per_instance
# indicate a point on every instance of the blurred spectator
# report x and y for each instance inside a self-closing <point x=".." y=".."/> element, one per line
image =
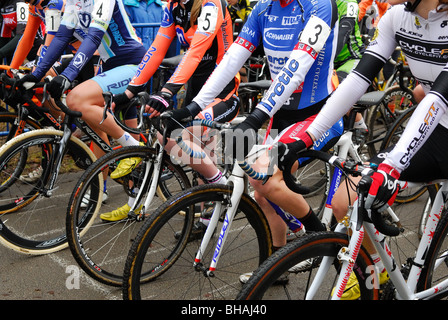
<point x="148" y="11"/>
<point x="145" y="11"/>
<point x="239" y="9"/>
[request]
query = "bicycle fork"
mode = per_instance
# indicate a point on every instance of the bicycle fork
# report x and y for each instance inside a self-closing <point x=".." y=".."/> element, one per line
<point x="237" y="179"/>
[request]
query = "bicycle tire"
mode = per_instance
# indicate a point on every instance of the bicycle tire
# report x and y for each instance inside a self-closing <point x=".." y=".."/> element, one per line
<point x="33" y="223"/>
<point x="264" y="282"/>
<point x="8" y="126"/>
<point x="172" y="274"/>
<point x="382" y="116"/>
<point x="100" y="247"/>
<point x="316" y="175"/>
<point x="435" y="266"/>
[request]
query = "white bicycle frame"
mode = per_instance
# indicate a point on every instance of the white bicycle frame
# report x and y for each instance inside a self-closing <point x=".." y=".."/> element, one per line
<point x="347" y="255"/>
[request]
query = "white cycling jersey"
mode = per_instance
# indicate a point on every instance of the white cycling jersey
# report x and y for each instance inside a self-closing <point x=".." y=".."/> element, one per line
<point x="424" y="42"/>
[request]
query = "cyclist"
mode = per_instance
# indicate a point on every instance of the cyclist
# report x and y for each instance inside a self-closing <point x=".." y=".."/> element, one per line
<point x="204" y="28"/>
<point x="287" y="30"/>
<point x="12" y="24"/>
<point x="41" y="13"/>
<point x="419" y="27"/>
<point x="350" y="48"/>
<point x="102" y="26"/>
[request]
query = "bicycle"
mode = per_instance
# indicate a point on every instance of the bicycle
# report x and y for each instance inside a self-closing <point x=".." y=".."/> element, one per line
<point x="27" y="111"/>
<point x="100" y="247"/>
<point x="168" y="262"/>
<point x="62" y="158"/>
<point x="167" y="259"/>
<point x="335" y="255"/>
<point x="100" y="253"/>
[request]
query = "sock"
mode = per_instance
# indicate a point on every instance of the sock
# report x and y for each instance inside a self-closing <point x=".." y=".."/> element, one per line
<point x="360" y="124"/>
<point x="127" y="140"/>
<point x="105" y="186"/>
<point x="312" y="222"/>
<point x="217" y="178"/>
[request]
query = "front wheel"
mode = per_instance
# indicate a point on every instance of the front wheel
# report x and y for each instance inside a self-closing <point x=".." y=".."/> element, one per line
<point x="99" y="245"/>
<point x="164" y="250"/>
<point x="312" y="252"/>
<point x="33" y="219"/>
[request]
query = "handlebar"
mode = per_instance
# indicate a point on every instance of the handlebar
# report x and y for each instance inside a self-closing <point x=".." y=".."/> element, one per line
<point x="348" y="167"/>
<point x="245" y="166"/>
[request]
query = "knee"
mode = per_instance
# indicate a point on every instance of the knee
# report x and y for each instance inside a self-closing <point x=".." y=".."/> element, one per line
<point x="339" y="207"/>
<point x="75" y="100"/>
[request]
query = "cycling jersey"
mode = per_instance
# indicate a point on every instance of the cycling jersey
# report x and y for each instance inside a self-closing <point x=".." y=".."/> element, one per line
<point x="207" y="41"/>
<point x="8" y="22"/>
<point x="101" y="25"/>
<point x="350" y="45"/>
<point x="298" y="41"/>
<point x="51" y="15"/>
<point x="424" y="42"/>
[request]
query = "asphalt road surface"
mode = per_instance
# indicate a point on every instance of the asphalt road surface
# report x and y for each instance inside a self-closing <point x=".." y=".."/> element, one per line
<point x="56" y="276"/>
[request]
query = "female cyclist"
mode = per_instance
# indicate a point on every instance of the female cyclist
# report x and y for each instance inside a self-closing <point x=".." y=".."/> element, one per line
<point x="299" y="36"/>
<point x="42" y="14"/>
<point x="204" y="29"/>
<point x="101" y="26"/>
<point x="104" y="26"/>
<point x="418" y="27"/>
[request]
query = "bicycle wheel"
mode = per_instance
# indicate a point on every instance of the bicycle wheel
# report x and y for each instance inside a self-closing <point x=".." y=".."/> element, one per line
<point x="435" y="267"/>
<point x="32" y="220"/>
<point x="393" y="135"/>
<point x="164" y="252"/>
<point x="310" y="251"/>
<point x="100" y="247"/>
<point x="316" y="176"/>
<point x="381" y="117"/>
<point x="9" y="126"/>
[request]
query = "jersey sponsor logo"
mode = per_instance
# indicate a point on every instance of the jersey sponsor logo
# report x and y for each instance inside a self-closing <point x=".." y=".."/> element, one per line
<point x="271" y="18"/>
<point x="181" y="37"/>
<point x="84" y="19"/>
<point x="119" y="84"/>
<point x="289" y="21"/>
<point x="433" y="51"/>
<point x="283" y="79"/>
<point x="277" y="60"/>
<point x="423" y="130"/>
<point x="143" y="63"/>
<point x="79" y="60"/>
<point x="116" y="33"/>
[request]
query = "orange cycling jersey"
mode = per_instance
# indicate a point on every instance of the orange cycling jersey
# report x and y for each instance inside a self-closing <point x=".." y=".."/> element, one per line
<point x="207" y="41"/>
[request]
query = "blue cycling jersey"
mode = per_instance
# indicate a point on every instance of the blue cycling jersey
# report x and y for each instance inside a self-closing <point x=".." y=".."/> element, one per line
<point x="278" y="27"/>
<point x="101" y="25"/>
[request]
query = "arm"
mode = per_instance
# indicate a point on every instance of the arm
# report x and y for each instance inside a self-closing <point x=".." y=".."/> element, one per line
<point x="347" y="21"/>
<point x="101" y="15"/>
<point x="26" y="41"/>
<point x="209" y="24"/>
<point x="233" y="60"/>
<point x="311" y="41"/>
<point x="154" y="56"/>
<point x="60" y="41"/>
<point x="357" y="82"/>
<point x="422" y="123"/>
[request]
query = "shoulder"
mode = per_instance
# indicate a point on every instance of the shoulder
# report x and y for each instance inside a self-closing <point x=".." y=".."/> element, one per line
<point x="56" y="4"/>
